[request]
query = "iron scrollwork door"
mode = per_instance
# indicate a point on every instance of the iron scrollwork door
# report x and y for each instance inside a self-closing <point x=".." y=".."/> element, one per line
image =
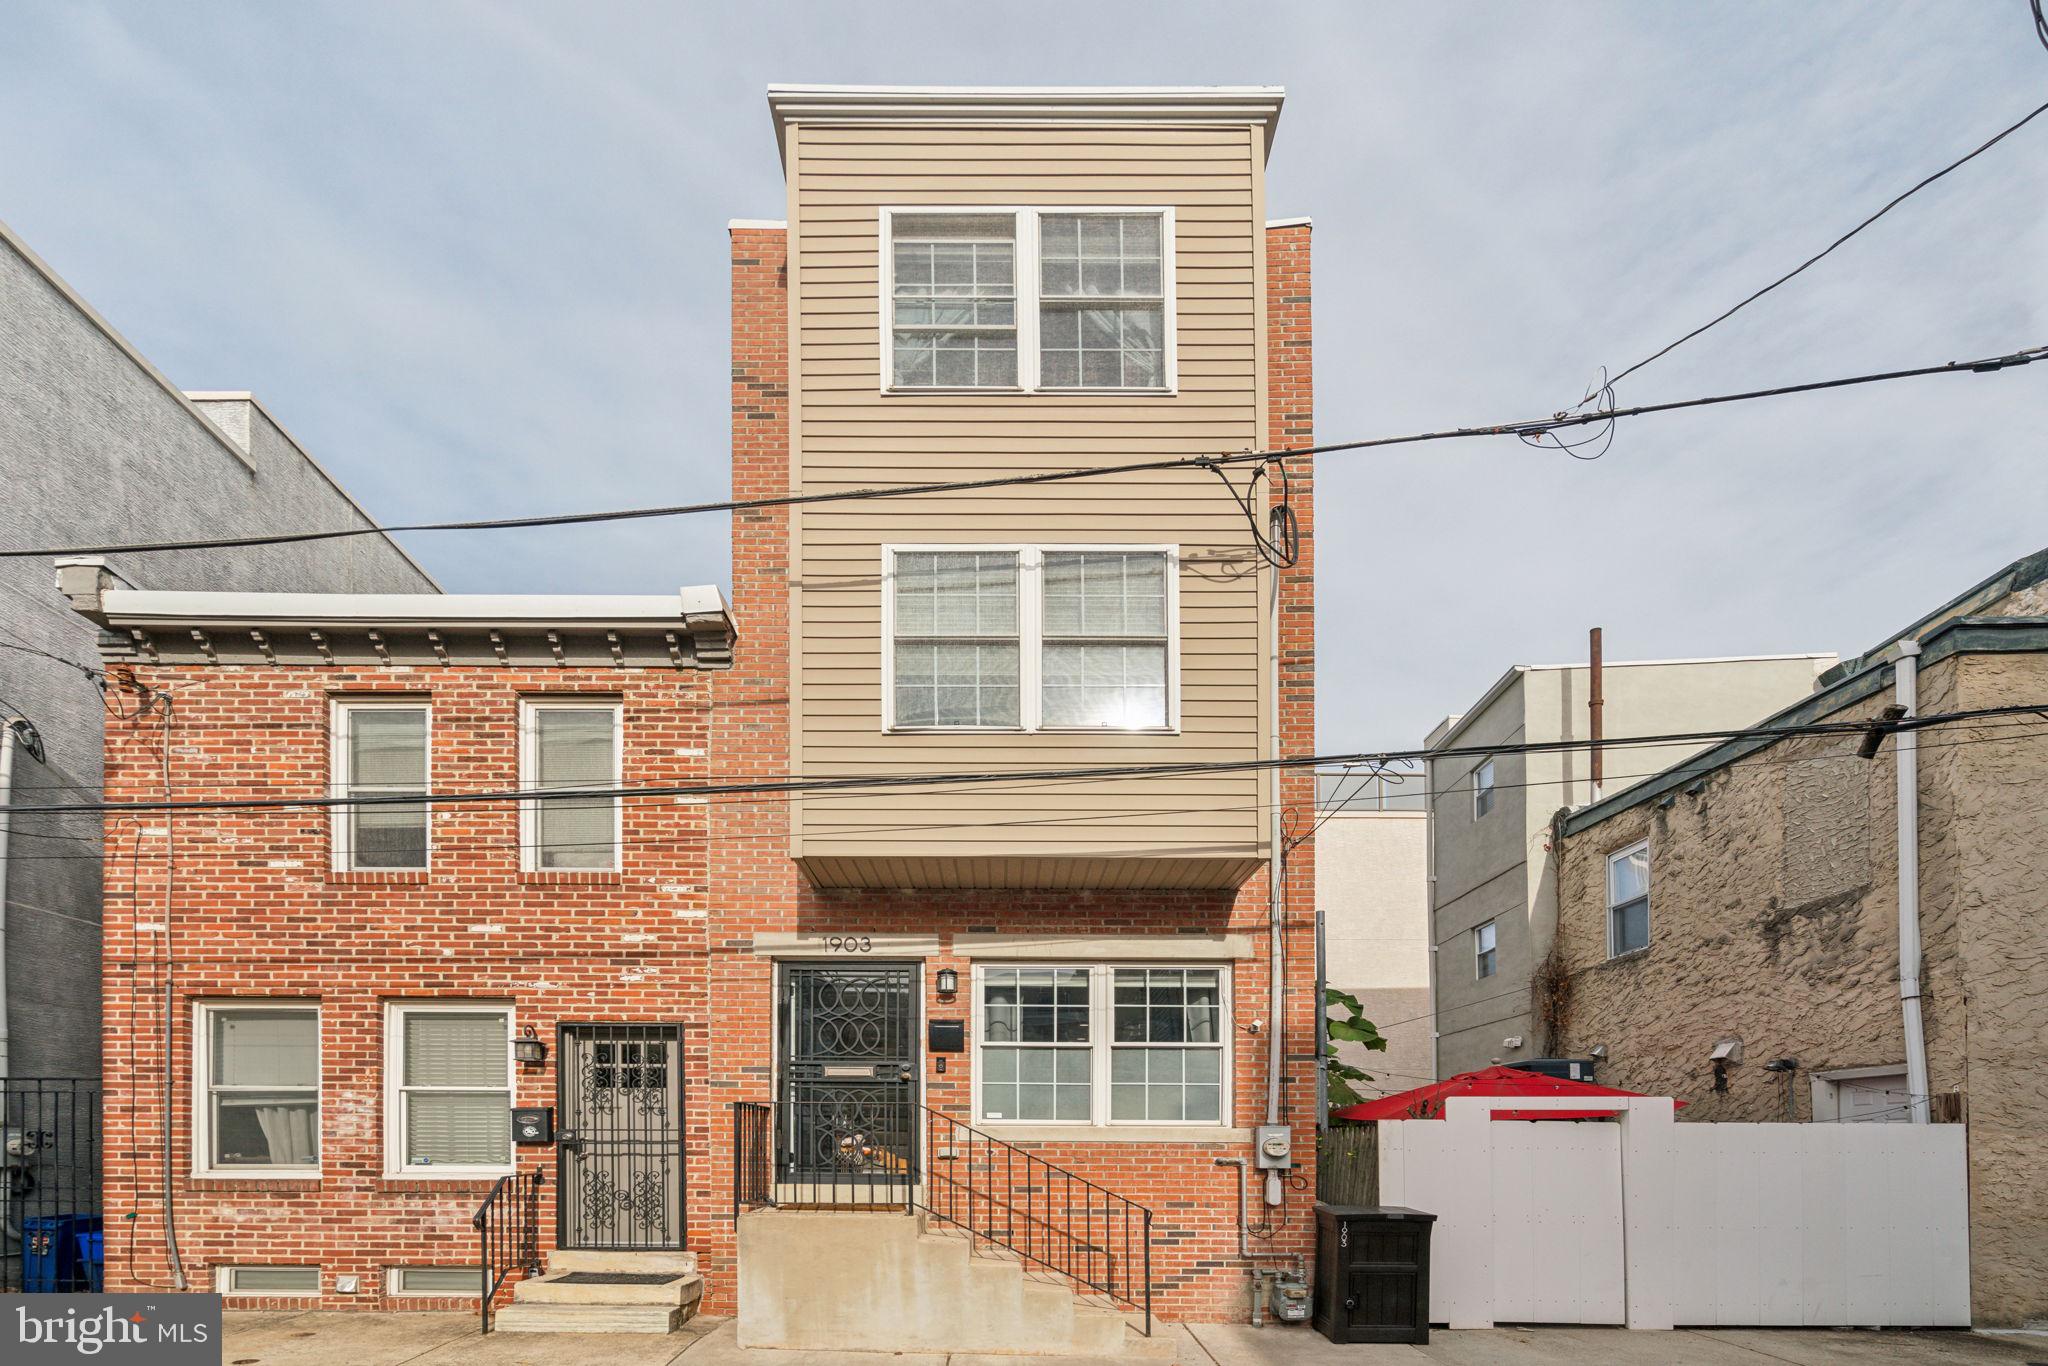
<point x="621" y="1136"/>
<point x="849" y="1068"/>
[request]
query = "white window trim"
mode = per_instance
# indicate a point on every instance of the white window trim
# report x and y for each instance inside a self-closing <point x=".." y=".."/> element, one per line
<point x="203" y="1015"/>
<point x="1479" y="791"/>
<point x="394" y="1283"/>
<point x="1640" y="846"/>
<point x="342" y="841"/>
<point x="529" y="767"/>
<point x="1101" y="981"/>
<point x="394" y="1089"/>
<point x="1478" y="951"/>
<point x="1031" y="639"/>
<point x="224" y="1279"/>
<point x="1027" y="217"/>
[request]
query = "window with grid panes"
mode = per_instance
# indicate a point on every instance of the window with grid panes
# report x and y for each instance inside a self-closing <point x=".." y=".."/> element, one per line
<point x="1035" y="1056"/>
<point x="1103" y="657"/>
<point x="1102" y="301"/>
<point x="957" y="652"/>
<point x="955" y="300"/>
<point x="1166" y="1052"/>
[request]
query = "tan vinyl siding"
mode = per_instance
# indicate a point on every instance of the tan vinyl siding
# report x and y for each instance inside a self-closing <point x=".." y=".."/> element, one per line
<point x="1192" y="830"/>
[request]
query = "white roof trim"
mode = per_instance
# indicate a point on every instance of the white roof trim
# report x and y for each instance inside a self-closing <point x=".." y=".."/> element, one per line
<point x="737" y="224"/>
<point x="144" y="607"/>
<point x="1302" y="222"/>
<point x="1252" y="104"/>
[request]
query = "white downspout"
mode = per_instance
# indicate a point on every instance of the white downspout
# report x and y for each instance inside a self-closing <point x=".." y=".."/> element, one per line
<point x="7" y="747"/>
<point x="1906" y="673"/>
<point x="1276" y="900"/>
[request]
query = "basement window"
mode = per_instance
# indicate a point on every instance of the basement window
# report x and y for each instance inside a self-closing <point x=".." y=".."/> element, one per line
<point x="1628" y="899"/>
<point x="437" y="1280"/>
<point x="268" y="1280"/>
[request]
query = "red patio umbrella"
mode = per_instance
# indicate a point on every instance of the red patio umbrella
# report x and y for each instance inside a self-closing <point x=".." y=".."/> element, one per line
<point x="1427" y="1102"/>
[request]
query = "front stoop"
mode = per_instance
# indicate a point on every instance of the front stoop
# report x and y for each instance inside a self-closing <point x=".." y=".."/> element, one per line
<point x="606" y="1292"/>
<point x="845" y="1281"/>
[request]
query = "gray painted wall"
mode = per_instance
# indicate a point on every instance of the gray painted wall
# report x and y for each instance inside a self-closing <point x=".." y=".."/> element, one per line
<point x="96" y="445"/>
<point x="1498" y="867"/>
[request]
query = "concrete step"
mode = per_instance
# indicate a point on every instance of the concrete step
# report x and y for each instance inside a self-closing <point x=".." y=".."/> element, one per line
<point x="588" y="1318"/>
<point x="582" y="1259"/>
<point x="563" y="1286"/>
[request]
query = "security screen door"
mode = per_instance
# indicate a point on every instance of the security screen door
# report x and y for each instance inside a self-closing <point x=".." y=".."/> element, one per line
<point x="621" y="1136"/>
<point x="849" y="1070"/>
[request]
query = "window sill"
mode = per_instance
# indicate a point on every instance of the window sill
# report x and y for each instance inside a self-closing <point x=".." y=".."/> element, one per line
<point x="1028" y="730"/>
<point x="1630" y="955"/>
<point x="568" y="877"/>
<point x="1014" y="390"/>
<point x="378" y="877"/>
<point x="1115" y="1133"/>
<point x="283" y="1182"/>
<point x="399" y="1183"/>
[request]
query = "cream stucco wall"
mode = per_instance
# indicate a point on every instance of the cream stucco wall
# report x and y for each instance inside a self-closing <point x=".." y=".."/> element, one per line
<point x="1774" y="919"/>
<point x="1372" y="888"/>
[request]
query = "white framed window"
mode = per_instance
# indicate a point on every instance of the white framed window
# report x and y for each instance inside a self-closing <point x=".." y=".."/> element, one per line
<point x="256" y="1089"/>
<point x="1482" y="789"/>
<point x="1628" y="899"/>
<point x="443" y="1281"/>
<point x="1102" y="1044"/>
<point x="566" y="744"/>
<point x="1031" y="638"/>
<point x="1484" y="961"/>
<point x="448" y="1088"/>
<point x="381" y="748"/>
<point x="1040" y="300"/>
<point x="267" y="1280"/>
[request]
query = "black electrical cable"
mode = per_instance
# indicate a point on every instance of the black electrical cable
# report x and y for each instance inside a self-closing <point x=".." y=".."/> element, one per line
<point x="1522" y="429"/>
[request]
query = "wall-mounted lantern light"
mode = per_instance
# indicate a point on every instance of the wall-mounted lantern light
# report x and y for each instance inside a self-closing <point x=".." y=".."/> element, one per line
<point x="948" y="982"/>
<point x="529" y="1048"/>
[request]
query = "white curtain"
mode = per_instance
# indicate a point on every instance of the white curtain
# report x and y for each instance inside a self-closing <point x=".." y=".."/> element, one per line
<point x="288" y="1129"/>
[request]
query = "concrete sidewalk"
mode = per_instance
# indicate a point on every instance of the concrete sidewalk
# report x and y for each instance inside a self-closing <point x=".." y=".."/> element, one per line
<point x="416" y="1339"/>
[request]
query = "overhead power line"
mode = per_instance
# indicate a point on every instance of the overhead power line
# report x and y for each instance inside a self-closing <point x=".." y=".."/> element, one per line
<point x="1606" y="386"/>
<point x="1523" y="429"/>
<point x="897" y="781"/>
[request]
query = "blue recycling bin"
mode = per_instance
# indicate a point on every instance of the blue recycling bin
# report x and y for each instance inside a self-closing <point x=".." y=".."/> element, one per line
<point x="50" y="1261"/>
<point x="92" y="1259"/>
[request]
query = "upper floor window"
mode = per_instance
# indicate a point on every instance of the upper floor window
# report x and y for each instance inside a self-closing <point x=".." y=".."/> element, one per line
<point x="1031" y="638"/>
<point x="1482" y="789"/>
<point x="1034" y="299"/>
<point x="566" y="744"/>
<point x="1484" y="940"/>
<point x="1628" y="899"/>
<point x="380" y="750"/>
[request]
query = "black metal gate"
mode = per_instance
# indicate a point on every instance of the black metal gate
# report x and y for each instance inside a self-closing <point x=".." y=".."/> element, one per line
<point x="849" y="1080"/>
<point x="620" y="1144"/>
<point x="50" y="1231"/>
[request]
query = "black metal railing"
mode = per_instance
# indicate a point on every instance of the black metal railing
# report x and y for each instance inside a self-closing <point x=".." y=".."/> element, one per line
<point x="821" y="1154"/>
<point x="50" y="1218"/>
<point x="508" y="1226"/>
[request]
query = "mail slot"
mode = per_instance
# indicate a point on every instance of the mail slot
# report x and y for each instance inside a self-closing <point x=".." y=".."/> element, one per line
<point x="861" y="1070"/>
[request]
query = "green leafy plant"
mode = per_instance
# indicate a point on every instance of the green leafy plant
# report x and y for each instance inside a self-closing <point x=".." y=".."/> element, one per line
<point x="1351" y="1027"/>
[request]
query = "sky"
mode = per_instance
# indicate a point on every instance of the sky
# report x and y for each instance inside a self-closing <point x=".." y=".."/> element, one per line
<point x="473" y="256"/>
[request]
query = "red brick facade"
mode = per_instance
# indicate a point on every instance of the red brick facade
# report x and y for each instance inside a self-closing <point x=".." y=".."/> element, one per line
<point x="254" y="911"/>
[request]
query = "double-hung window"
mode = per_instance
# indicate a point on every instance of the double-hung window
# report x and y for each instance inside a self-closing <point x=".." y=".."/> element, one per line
<point x="1041" y="299"/>
<point x="1482" y="789"/>
<point x="448" y="1069"/>
<point x="258" y="1089"/>
<point x="380" y="752"/>
<point x="567" y="745"/>
<point x="1485" y="939"/>
<point x="1031" y="638"/>
<point x="1628" y="899"/>
<point x="1102" y="1044"/>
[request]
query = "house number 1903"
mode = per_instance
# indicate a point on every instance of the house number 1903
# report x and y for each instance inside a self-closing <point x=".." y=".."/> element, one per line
<point x="848" y="943"/>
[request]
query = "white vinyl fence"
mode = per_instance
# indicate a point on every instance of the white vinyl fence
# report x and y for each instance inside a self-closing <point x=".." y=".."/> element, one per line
<point x="1656" y="1224"/>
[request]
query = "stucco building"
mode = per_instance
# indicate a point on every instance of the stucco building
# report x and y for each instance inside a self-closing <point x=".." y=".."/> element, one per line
<point x="1745" y="903"/>
<point x="1372" y="895"/>
<point x="1493" y="891"/>
<point x="97" y="446"/>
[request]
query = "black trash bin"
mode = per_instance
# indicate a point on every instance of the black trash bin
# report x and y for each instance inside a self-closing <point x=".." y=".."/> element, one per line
<point x="1372" y="1273"/>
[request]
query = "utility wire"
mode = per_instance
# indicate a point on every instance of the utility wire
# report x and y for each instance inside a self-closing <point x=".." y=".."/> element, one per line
<point x="1525" y="430"/>
<point x="899" y="781"/>
<point x="1606" y="386"/>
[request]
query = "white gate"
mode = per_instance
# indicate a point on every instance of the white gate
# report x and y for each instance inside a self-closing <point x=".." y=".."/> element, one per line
<point x="1656" y="1224"/>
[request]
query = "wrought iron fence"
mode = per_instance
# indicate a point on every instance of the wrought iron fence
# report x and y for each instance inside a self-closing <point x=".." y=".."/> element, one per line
<point x="914" y="1158"/>
<point x="50" y="1218"/>
<point x="508" y="1226"/>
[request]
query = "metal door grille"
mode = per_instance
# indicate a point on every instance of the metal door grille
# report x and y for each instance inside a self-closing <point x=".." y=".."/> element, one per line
<point x="621" y="1137"/>
<point x="849" y="1078"/>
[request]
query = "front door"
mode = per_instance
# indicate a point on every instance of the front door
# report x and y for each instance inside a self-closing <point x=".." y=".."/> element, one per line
<point x="849" y="1081"/>
<point x="620" y="1093"/>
